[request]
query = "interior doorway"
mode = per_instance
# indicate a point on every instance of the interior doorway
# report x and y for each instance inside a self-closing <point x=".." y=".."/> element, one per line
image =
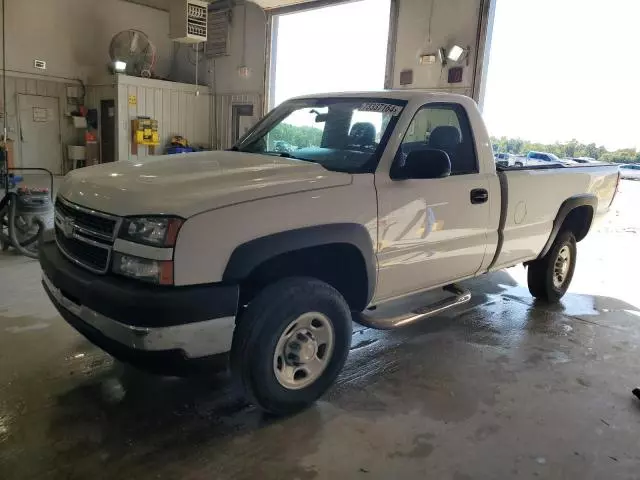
<point x="330" y="49"/>
<point x="40" y="141"/>
<point x="107" y="130"/>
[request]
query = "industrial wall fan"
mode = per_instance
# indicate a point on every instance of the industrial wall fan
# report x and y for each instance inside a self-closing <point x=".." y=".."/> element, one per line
<point x="132" y="53"/>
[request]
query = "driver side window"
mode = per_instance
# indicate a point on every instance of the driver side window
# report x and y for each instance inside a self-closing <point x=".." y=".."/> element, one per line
<point x="442" y="126"/>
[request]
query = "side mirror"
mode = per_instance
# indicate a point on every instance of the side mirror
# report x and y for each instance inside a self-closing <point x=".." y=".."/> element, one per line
<point x="425" y="163"/>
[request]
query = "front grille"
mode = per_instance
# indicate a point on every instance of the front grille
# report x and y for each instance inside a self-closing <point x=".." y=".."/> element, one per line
<point x="96" y="222"/>
<point x="85" y="236"/>
<point x="96" y="258"/>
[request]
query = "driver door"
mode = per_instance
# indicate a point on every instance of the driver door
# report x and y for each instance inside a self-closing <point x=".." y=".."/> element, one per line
<point x="432" y="231"/>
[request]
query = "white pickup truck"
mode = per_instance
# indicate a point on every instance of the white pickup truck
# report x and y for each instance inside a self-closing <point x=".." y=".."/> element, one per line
<point x="262" y="257"/>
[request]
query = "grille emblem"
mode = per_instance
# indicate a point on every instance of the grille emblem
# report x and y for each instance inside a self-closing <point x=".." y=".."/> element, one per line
<point x="67" y="227"/>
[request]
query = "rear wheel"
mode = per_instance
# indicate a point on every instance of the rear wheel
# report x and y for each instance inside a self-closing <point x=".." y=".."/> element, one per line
<point x="291" y="343"/>
<point x="550" y="276"/>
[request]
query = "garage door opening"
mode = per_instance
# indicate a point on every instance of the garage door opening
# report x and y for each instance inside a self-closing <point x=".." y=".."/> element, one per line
<point x="559" y="87"/>
<point x="331" y="49"/>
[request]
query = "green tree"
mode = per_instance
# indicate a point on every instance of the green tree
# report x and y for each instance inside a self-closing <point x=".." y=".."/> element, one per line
<point x="571" y="149"/>
<point x="296" y="136"/>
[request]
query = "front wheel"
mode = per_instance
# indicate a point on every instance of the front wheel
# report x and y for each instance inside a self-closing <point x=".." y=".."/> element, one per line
<point x="550" y="276"/>
<point x="291" y="343"/>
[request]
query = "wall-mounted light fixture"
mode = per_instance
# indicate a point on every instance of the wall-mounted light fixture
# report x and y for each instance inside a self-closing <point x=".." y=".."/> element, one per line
<point x="455" y="54"/>
<point x="120" y="66"/>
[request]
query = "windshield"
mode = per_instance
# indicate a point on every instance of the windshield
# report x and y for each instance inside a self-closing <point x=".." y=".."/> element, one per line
<point x="342" y="134"/>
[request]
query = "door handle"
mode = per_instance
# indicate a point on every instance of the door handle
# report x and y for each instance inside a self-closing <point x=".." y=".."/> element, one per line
<point x="479" y="195"/>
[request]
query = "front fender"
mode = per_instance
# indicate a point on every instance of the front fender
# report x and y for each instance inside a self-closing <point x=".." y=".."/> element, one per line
<point x="247" y="256"/>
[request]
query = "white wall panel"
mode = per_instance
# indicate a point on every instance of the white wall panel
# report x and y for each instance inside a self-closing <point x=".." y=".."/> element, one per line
<point x="177" y="107"/>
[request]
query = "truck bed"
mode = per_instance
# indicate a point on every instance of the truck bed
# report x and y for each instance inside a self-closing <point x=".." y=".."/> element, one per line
<point x="530" y="200"/>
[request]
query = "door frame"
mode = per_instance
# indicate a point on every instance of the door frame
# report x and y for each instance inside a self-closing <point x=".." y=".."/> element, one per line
<point x="19" y="123"/>
<point x="115" y="128"/>
<point x="484" y="37"/>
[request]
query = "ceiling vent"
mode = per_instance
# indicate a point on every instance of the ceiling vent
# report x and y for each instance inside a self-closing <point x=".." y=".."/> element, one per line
<point x="218" y="33"/>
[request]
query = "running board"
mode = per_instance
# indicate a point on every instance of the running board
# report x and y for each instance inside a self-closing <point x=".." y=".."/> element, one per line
<point x="461" y="296"/>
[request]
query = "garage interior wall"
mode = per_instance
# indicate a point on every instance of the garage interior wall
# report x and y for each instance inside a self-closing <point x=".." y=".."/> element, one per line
<point x="78" y="34"/>
<point x="247" y="44"/>
<point x="72" y="37"/>
<point x="424" y="26"/>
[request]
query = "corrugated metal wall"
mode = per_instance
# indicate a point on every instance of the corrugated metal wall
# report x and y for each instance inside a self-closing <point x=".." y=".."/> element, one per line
<point x="176" y="106"/>
<point x="224" y="117"/>
<point x="31" y="86"/>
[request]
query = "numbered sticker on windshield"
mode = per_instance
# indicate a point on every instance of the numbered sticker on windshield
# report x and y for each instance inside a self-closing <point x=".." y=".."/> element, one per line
<point x="381" y="108"/>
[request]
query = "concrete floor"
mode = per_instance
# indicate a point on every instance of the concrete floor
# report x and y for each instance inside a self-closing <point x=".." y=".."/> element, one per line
<point x="505" y="388"/>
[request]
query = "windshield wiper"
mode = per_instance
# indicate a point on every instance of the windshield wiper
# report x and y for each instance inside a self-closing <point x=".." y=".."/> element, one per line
<point x="286" y="155"/>
<point x="279" y="154"/>
<point x="275" y="154"/>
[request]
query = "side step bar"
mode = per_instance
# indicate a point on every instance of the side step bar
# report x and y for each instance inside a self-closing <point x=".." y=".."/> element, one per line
<point x="461" y="296"/>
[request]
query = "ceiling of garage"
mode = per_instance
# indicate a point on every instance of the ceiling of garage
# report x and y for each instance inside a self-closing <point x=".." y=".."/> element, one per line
<point x="265" y="4"/>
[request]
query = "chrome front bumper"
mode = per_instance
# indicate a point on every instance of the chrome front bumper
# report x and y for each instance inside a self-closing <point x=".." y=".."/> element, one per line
<point x="198" y="339"/>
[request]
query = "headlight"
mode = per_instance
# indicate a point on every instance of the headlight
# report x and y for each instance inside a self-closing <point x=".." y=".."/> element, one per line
<point x="156" y="231"/>
<point x="154" y="271"/>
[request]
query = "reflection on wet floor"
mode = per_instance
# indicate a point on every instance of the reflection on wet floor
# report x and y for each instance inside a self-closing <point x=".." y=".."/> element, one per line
<point x="503" y="387"/>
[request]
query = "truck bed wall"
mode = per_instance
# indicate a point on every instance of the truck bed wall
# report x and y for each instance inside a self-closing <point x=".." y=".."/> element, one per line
<point x="533" y="200"/>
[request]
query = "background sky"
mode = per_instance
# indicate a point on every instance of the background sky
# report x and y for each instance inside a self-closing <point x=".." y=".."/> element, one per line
<point x="563" y="69"/>
<point x="333" y="49"/>
<point x="558" y="69"/>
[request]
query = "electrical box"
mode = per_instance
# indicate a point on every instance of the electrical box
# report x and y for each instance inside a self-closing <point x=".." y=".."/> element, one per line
<point x="188" y="21"/>
<point x="146" y="131"/>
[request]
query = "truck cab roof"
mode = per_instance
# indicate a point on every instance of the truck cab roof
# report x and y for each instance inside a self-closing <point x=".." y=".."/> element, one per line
<point x="408" y="95"/>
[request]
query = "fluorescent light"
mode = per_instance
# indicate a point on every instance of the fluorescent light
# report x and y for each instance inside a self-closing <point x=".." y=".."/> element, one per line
<point x="455" y="53"/>
<point x="119" y="66"/>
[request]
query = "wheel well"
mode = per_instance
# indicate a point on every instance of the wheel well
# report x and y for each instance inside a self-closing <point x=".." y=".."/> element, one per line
<point x="578" y="221"/>
<point x="341" y="265"/>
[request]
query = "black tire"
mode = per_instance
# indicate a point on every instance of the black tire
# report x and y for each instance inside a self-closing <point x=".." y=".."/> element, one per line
<point x="540" y="274"/>
<point x="518" y="164"/>
<point x="259" y="329"/>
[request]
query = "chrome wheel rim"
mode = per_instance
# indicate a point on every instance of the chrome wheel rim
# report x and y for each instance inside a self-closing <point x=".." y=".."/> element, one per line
<point x="303" y="350"/>
<point x="561" y="266"/>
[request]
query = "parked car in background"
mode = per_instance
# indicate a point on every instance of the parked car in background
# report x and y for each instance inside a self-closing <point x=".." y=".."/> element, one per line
<point x="548" y="157"/>
<point x="283" y="147"/>
<point x="630" y="172"/>
<point x="585" y="160"/>
<point x="509" y="160"/>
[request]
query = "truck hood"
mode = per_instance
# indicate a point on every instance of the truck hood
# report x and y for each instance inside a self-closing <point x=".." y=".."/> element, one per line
<point x="189" y="184"/>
